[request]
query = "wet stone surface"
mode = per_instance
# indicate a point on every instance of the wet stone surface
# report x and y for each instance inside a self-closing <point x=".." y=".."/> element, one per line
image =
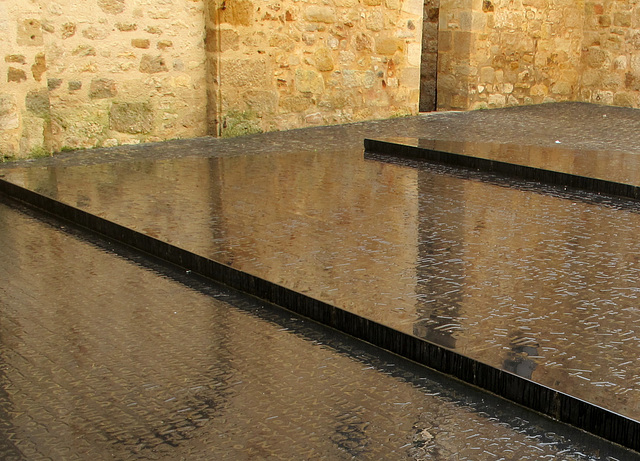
<point x="534" y="280"/>
<point x="107" y="355"/>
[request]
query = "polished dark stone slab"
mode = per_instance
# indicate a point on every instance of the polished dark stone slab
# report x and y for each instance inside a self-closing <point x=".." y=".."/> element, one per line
<point x="613" y="173"/>
<point x="108" y="354"/>
<point x="527" y="290"/>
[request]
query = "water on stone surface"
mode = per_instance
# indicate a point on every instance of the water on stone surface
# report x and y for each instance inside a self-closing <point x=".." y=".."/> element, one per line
<point x="106" y="355"/>
<point x="535" y="281"/>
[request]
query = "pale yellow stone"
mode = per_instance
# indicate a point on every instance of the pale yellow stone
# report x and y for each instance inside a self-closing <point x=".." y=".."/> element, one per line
<point x="497" y="100"/>
<point x="414" y="54"/>
<point x="309" y="81"/>
<point x="539" y="90"/>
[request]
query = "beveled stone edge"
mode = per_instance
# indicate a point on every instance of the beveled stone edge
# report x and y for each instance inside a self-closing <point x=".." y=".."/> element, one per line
<point x="557" y="405"/>
<point x="512" y="170"/>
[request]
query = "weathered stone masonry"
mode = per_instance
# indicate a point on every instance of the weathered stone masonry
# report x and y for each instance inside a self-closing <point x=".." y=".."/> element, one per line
<point x="495" y="53"/>
<point x="109" y="72"/>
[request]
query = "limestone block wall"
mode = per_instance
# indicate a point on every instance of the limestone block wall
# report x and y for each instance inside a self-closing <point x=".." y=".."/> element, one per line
<point x="100" y="73"/>
<point x="108" y="72"/>
<point x="285" y="64"/>
<point x="24" y="106"/>
<point x="496" y="53"/>
<point x="611" y="53"/>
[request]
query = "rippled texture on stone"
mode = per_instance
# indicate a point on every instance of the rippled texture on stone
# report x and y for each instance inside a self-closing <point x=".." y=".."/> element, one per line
<point x="533" y="280"/>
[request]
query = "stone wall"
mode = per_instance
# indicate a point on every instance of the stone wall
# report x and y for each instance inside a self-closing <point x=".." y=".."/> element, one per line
<point x="496" y="53"/>
<point x="101" y="73"/>
<point x="287" y="63"/>
<point x="611" y="53"/>
<point x="109" y="72"/>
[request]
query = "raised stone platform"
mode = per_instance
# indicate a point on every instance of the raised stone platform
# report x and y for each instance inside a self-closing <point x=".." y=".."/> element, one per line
<point x="529" y="290"/>
<point x="612" y="173"/>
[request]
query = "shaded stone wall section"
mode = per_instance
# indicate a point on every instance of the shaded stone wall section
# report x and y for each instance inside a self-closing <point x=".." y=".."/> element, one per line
<point x="429" y="60"/>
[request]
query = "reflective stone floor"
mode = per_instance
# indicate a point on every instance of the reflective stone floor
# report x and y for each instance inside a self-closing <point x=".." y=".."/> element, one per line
<point x="107" y="355"/>
<point x="535" y="280"/>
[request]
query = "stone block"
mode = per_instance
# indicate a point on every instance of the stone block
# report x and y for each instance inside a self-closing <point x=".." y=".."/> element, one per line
<point x="37" y="102"/>
<point x="84" y="50"/>
<point x="282" y="41"/>
<point x="131" y="117"/>
<point x="54" y="83"/>
<point x="261" y="102"/>
<point x="16" y="75"/>
<point x="95" y="33"/>
<point x="596" y="58"/>
<point x="462" y="44"/>
<point x="562" y="88"/>
<point x="625" y="99"/>
<point x="602" y="97"/>
<point x="112" y="6"/>
<point x="74" y="85"/>
<point x="374" y="20"/>
<point x="68" y="30"/>
<point x="309" y="81"/>
<point x="497" y="100"/>
<point x="539" y="90"/>
<point x="445" y="41"/>
<point x="39" y="67"/>
<point x="295" y="103"/>
<point x="323" y="59"/>
<point x="9" y="118"/>
<point x="318" y="13"/>
<point x="487" y="74"/>
<point x="410" y="77"/>
<point x="388" y="45"/>
<point x="126" y="27"/>
<point x="237" y="12"/>
<point x="622" y="19"/>
<point x="632" y="81"/>
<point x="102" y="88"/>
<point x="252" y="72"/>
<point x="142" y="43"/>
<point x="152" y="64"/>
<point x="15" y="58"/>
<point x="313" y="119"/>
<point x="29" y="33"/>
<point x="363" y="42"/>
<point x="635" y="63"/>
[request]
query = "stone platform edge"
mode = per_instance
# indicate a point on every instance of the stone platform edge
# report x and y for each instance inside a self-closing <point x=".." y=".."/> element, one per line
<point x="557" y="405"/>
<point x="511" y="170"/>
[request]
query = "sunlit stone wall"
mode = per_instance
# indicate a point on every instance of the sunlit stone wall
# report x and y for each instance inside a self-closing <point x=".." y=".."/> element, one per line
<point x="109" y="72"/>
<point x="289" y="63"/>
<point x="496" y="53"/>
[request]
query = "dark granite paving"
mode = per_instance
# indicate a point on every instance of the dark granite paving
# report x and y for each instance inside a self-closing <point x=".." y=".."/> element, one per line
<point x="530" y="279"/>
<point x="105" y="354"/>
